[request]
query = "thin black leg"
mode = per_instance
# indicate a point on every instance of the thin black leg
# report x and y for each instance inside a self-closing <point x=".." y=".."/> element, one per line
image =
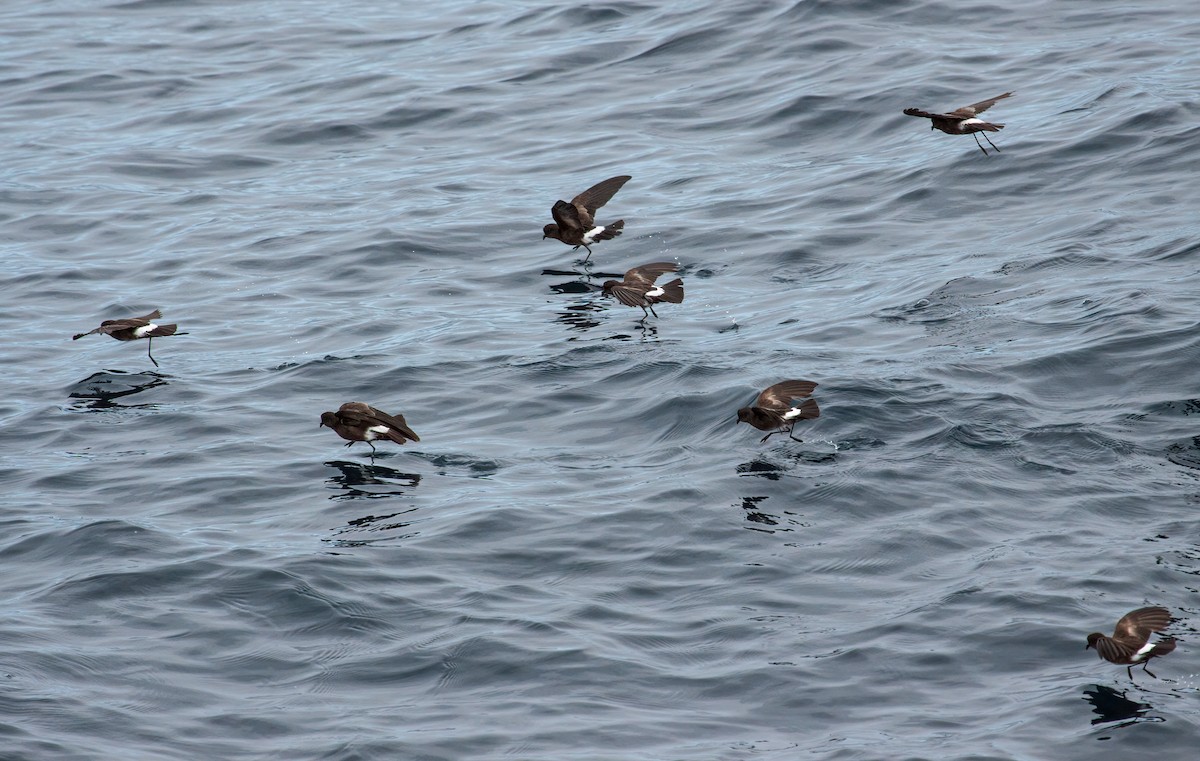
<point x="652" y="310"/>
<point x="1129" y="670"/>
<point x="985" y="137"/>
<point x="149" y="342"/>
<point x="976" y="136"/>
<point x="1148" y="671"/>
<point x="589" y="250"/>
<point x="769" y="435"/>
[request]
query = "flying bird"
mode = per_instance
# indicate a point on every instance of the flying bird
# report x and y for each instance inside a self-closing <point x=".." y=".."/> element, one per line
<point x="964" y="121"/>
<point x="133" y="328"/>
<point x="637" y="289"/>
<point x="773" y="408"/>
<point x="1130" y="643"/>
<point x="575" y="222"/>
<point x="356" y="421"/>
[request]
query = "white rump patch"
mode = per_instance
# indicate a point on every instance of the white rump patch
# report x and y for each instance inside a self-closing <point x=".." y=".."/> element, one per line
<point x="970" y="122"/>
<point x="794" y="412"/>
<point x="591" y="234"/>
<point x="375" y="432"/>
<point x="655" y="292"/>
<point x="142" y="331"/>
<point x="1141" y="654"/>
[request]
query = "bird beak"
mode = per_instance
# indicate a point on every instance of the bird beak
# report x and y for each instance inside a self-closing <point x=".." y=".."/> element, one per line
<point x="545" y="236"/>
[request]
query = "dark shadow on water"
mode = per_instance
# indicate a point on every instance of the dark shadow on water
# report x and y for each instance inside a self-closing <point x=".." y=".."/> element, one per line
<point x="101" y="390"/>
<point x="374" y="529"/>
<point x="758" y="519"/>
<point x="580" y="315"/>
<point x="1112" y="707"/>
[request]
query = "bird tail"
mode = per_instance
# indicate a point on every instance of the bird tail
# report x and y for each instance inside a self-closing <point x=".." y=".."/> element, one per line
<point x="1164" y="646"/>
<point x="162" y="330"/>
<point x="401" y="433"/>
<point x="673" y="292"/>
<point x="989" y="127"/>
<point x="610" y="231"/>
<point x="809" y="410"/>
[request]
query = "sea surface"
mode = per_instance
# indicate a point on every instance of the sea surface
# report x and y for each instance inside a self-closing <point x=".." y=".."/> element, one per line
<point x="585" y="557"/>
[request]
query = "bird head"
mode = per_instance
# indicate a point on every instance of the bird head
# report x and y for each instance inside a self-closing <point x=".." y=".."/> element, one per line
<point x="549" y="231"/>
<point x="328" y="418"/>
<point x="606" y="289"/>
<point x="745" y="415"/>
<point x="1093" y="638"/>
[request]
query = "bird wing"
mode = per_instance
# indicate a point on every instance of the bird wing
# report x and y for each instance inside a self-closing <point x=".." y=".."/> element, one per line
<point x="1137" y="625"/>
<point x="630" y="296"/>
<point x="1114" y="651"/>
<point x="646" y="274"/>
<point x="393" y="421"/>
<point x="978" y="108"/>
<point x="356" y="414"/>
<point x="780" y="395"/>
<point x="567" y="216"/>
<point x="599" y="194"/>
<point x="926" y="114"/>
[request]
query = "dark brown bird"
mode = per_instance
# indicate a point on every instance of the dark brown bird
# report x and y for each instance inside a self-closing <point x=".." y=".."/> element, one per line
<point x="773" y="408"/>
<point x="1130" y="643"/>
<point x="638" y="288"/>
<point x="576" y="221"/>
<point x="963" y="121"/>
<point x="355" y="421"/>
<point x="133" y="328"/>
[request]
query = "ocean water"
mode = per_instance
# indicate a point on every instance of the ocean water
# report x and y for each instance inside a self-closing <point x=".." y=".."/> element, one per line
<point x="584" y="557"/>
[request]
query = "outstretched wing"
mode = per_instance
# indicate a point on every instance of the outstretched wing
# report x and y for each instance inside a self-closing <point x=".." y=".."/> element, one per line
<point x="646" y="274"/>
<point x="1138" y="624"/>
<point x="780" y="395"/>
<point x="926" y="114"/>
<point x="600" y="193"/>
<point x="978" y="108"/>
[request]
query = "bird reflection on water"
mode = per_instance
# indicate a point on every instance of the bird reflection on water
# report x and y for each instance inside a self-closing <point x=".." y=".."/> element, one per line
<point x="359" y="479"/>
<point x="99" y="391"/>
<point x="1112" y="707"/>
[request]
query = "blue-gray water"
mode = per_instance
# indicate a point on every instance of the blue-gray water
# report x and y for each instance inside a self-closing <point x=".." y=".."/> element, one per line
<point x="584" y="558"/>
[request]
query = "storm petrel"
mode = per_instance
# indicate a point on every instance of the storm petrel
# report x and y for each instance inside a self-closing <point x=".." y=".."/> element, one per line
<point x="133" y="328"/>
<point x="355" y="421"/>
<point x="773" y="408"/>
<point x="1130" y="643"/>
<point x="576" y="224"/>
<point x="963" y="121"/>
<point x="638" y="288"/>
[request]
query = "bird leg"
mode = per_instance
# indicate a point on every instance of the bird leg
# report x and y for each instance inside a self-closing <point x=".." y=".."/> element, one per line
<point x="150" y="341"/>
<point x="652" y="310"/>
<point x="985" y="137"/>
<point x="769" y="435"/>
<point x="1148" y="671"/>
<point x="589" y="250"/>
<point x="976" y="136"/>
